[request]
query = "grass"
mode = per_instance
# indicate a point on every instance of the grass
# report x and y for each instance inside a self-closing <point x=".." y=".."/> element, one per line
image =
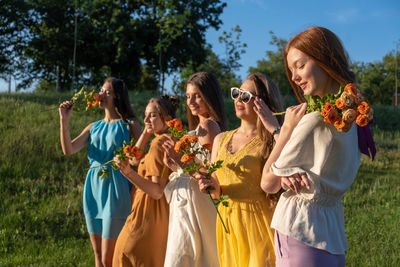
<point x="41" y="217"/>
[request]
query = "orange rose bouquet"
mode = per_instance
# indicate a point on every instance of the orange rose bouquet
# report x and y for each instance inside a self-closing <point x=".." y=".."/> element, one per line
<point x="127" y="151"/>
<point x="85" y="99"/>
<point x="175" y="128"/>
<point x="342" y="109"/>
<point x="188" y="146"/>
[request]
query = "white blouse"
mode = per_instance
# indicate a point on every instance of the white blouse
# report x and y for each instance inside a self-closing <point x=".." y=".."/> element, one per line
<point x="330" y="160"/>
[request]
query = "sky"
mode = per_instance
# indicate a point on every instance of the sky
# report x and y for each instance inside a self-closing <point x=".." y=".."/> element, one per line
<point x="368" y="29"/>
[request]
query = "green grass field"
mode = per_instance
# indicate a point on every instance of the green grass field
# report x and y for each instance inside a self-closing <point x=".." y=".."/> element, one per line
<point x="41" y="216"/>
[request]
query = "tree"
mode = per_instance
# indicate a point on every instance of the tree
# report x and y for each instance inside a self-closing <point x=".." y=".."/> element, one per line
<point x="274" y="68"/>
<point x="13" y="24"/>
<point x="377" y="79"/>
<point x="120" y="38"/>
<point x="224" y="69"/>
<point x="234" y="48"/>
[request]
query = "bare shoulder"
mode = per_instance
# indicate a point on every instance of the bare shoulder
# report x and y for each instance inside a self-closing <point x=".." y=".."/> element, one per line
<point x="218" y="139"/>
<point x="87" y="128"/>
<point x="210" y="124"/>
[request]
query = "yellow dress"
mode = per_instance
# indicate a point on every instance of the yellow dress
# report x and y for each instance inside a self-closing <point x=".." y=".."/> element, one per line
<point x="143" y="239"/>
<point x="250" y="240"/>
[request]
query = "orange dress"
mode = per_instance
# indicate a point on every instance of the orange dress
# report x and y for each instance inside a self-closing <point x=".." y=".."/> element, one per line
<point x="143" y="239"/>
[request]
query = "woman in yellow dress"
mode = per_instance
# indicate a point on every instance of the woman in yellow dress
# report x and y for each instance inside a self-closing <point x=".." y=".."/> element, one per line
<point x="250" y="240"/>
<point x="143" y="239"/>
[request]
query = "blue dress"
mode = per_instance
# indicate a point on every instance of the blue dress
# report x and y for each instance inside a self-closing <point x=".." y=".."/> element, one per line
<point x="110" y="197"/>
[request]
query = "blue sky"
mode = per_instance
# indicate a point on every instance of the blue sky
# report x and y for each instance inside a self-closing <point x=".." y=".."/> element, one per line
<point x="368" y="29"/>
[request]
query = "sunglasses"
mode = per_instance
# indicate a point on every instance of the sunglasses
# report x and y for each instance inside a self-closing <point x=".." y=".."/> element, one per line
<point x="245" y="96"/>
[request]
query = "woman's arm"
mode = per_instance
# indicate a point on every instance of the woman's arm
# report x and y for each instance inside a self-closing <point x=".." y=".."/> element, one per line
<point x="271" y="183"/>
<point x="135" y="129"/>
<point x="141" y="144"/>
<point x="70" y="147"/>
<point x="154" y="188"/>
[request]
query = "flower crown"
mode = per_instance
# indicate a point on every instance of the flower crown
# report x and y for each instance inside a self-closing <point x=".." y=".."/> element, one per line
<point x="342" y="109"/>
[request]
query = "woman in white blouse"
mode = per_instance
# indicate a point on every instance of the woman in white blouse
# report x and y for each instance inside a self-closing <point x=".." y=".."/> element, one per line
<point x="312" y="160"/>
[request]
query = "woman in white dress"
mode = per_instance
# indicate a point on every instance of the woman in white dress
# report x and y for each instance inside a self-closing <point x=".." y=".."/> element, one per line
<point x="192" y="218"/>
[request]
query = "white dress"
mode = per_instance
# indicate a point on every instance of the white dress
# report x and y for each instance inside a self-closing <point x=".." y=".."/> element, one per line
<point x="330" y="159"/>
<point x="192" y="223"/>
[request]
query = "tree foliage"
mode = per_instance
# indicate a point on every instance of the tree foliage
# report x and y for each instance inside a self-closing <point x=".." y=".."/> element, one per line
<point x="120" y="38"/>
<point x="273" y="66"/>
<point x="377" y="79"/>
<point x="224" y="68"/>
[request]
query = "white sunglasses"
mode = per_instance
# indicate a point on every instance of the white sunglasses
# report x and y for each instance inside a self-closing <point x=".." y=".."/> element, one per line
<point x="244" y="96"/>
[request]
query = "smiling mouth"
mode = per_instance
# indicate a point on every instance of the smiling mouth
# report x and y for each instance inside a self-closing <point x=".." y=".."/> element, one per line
<point x="303" y="86"/>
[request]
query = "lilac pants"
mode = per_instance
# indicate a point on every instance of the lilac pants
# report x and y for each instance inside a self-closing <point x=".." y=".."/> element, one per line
<point x="290" y="252"/>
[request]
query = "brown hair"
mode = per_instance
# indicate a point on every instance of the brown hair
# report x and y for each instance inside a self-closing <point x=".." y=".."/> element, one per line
<point x="269" y="93"/>
<point x="326" y="50"/>
<point x="211" y="92"/>
<point x="166" y="106"/>
<point x="121" y="99"/>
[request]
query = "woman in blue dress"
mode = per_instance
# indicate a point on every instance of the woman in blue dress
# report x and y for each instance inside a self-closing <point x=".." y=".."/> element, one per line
<point x="106" y="202"/>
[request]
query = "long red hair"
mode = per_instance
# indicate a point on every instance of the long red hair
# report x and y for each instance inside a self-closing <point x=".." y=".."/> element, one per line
<point x="327" y="51"/>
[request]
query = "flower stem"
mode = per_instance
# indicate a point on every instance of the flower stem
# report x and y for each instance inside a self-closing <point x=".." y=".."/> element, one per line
<point x="101" y="165"/>
<point x="279" y="113"/>
<point x="163" y="170"/>
<point x="219" y="215"/>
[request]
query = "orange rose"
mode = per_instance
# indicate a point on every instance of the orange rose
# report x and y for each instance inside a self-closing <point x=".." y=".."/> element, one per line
<point x="326" y="109"/>
<point x="171" y="123"/>
<point x="347" y="99"/>
<point x="178" y="146"/>
<point x="208" y="147"/>
<point x="349" y="115"/>
<point x="192" y="139"/>
<point x="136" y="152"/>
<point x="363" y="108"/>
<point x="178" y="125"/>
<point x="127" y="150"/>
<point x="187" y="157"/>
<point x="351" y="88"/>
<point x="339" y="124"/>
<point x="332" y="116"/>
<point x="362" y="120"/>
<point x="339" y="104"/>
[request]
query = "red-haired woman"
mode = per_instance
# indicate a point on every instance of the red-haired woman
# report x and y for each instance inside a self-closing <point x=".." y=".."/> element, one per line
<point x="312" y="160"/>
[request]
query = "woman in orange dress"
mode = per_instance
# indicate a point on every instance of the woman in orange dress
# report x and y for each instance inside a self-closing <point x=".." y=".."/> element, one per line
<point x="143" y="239"/>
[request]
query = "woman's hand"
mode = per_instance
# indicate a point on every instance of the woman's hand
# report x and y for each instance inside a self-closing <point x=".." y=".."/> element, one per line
<point x="169" y="163"/>
<point x="208" y="183"/>
<point x="294" y="115"/>
<point x="169" y="146"/>
<point x="65" y="109"/>
<point x="295" y="182"/>
<point x="265" y="114"/>
<point x="123" y="165"/>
